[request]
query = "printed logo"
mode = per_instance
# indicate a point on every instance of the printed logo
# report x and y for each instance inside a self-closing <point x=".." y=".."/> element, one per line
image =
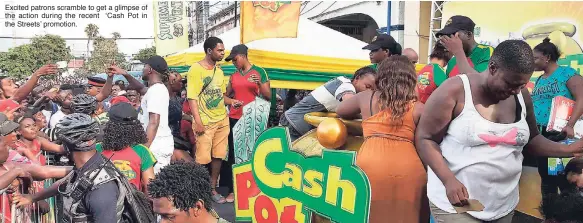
<point x="270" y="5"/>
<point x="423" y="78"/>
<point x="509" y="138"/>
<point x="211" y="96"/>
<point x="374" y="39"/>
<point x="124" y="167"/>
<point x="448" y="22"/>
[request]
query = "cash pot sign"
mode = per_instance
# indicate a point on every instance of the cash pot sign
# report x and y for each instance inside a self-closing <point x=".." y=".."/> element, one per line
<point x="280" y="185"/>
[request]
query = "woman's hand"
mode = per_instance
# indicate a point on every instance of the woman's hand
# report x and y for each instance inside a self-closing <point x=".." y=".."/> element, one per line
<point x="568" y="130"/>
<point x="21" y="200"/>
<point x="457" y="194"/>
<point x="576" y="148"/>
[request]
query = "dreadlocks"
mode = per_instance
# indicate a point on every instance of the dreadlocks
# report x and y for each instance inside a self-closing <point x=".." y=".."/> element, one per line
<point x="118" y="136"/>
<point x="184" y="183"/>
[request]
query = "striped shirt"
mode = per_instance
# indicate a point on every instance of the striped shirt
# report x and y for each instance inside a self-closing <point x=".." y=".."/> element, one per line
<point x="324" y="98"/>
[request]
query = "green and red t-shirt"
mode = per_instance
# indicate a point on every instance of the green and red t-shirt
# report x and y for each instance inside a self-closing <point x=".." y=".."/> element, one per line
<point x="428" y="79"/>
<point x="478" y="59"/>
<point x="245" y="88"/>
<point x="131" y="161"/>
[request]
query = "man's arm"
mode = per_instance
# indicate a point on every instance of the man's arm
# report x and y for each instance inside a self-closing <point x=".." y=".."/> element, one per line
<point x="25" y="199"/>
<point x="102" y="203"/>
<point x="132" y="82"/>
<point x="106" y="90"/>
<point x="454" y="45"/>
<point x="264" y="85"/>
<point x="152" y="128"/>
<point x="197" y="122"/>
<point x="193" y="89"/>
<point x="147" y="175"/>
<point x="39" y="172"/>
<point x="27" y="88"/>
<point x="7" y="178"/>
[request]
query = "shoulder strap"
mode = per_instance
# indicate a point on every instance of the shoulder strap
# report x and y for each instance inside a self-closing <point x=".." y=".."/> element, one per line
<point x="518" y="112"/>
<point x="537" y="79"/>
<point x="209" y="83"/>
<point x="370" y="105"/>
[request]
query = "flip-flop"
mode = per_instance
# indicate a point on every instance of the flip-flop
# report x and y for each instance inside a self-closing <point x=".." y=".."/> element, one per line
<point x="219" y="199"/>
<point x="232" y="199"/>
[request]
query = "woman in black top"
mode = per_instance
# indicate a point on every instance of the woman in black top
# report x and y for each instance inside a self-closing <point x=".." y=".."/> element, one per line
<point x="182" y="148"/>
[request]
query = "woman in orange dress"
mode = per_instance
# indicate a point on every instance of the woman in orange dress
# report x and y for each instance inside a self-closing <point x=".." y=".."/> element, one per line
<point x="388" y="156"/>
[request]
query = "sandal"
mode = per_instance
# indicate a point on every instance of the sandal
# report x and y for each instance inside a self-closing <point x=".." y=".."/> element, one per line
<point x="230" y="198"/>
<point x="219" y="199"/>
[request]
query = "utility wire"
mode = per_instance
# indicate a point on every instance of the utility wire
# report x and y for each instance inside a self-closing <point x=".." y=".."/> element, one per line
<point x="312" y="8"/>
<point x="330" y="6"/>
<point x="304" y="4"/>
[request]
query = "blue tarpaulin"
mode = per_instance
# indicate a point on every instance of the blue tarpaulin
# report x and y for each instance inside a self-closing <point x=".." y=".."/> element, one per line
<point x="135" y="74"/>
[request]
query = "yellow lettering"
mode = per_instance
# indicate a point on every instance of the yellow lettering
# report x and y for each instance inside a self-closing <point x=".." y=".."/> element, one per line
<point x="273" y="180"/>
<point x="348" y="190"/>
<point x="294" y="176"/>
<point x="313" y="188"/>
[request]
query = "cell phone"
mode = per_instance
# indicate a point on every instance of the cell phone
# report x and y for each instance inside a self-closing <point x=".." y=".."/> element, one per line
<point x="62" y="64"/>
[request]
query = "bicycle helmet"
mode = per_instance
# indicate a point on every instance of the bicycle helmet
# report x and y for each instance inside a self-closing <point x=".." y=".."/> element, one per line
<point x="83" y="103"/>
<point x="78" y="132"/>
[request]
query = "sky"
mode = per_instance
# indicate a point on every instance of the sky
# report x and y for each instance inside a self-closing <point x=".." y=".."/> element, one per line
<point x="127" y="27"/>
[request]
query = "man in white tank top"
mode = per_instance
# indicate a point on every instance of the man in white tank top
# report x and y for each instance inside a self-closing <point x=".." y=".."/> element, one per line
<point x="472" y="138"/>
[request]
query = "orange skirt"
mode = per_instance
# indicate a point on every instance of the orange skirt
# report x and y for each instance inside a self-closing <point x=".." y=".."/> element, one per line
<point x="398" y="181"/>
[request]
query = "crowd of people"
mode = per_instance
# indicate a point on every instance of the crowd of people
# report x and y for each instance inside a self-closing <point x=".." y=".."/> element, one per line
<point x="156" y="149"/>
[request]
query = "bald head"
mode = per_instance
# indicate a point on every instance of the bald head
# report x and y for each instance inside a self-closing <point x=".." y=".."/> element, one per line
<point x="411" y="54"/>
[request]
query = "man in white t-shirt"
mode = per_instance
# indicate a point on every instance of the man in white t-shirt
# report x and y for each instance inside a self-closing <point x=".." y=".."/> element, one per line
<point x="154" y="108"/>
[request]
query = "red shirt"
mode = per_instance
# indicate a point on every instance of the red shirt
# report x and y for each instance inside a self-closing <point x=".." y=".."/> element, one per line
<point x="130" y="161"/>
<point x="245" y="89"/>
<point x="36" y="150"/>
<point x="428" y="79"/>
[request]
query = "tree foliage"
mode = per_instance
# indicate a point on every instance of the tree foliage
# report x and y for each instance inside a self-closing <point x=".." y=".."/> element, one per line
<point x="23" y="60"/>
<point x="145" y="53"/>
<point x="91" y="31"/>
<point x="105" y="52"/>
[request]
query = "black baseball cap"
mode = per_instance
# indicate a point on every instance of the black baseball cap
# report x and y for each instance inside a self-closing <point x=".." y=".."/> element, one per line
<point x="240" y="49"/>
<point x="7" y="126"/>
<point x="455" y="24"/>
<point x="381" y="41"/>
<point x="157" y="63"/>
<point x="122" y="112"/>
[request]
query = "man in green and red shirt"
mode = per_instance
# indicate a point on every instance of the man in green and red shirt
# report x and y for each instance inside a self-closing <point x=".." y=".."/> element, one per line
<point x="433" y="74"/>
<point x="458" y="38"/>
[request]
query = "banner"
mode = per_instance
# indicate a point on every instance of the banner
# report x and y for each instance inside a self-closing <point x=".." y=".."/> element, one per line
<point x="269" y="19"/>
<point x="170" y="27"/>
<point x="281" y="185"/>
<point x="251" y="124"/>
<point x="528" y="21"/>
